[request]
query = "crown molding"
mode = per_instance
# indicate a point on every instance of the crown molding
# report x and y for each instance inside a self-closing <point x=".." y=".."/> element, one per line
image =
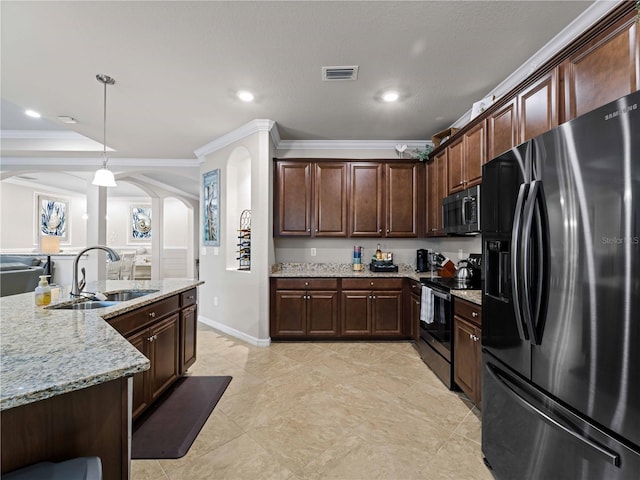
<point x="41" y="134"/>
<point x="349" y="144"/>
<point x="254" y="126"/>
<point x="577" y="27"/>
<point x="94" y="161"/>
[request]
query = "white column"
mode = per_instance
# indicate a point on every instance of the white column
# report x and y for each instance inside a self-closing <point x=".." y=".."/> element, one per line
<point x="157" y="240"/>
<point x="95" y="265"/>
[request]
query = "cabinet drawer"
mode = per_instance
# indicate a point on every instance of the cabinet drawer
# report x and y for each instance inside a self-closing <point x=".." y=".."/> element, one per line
<point x="372" y="283"/>
<point x="190" y="297"/>
<point x="306" y="283"/>
<point x="415" y="287"/>
<point x="468" y="311"/>
<point x="131" y="321"/>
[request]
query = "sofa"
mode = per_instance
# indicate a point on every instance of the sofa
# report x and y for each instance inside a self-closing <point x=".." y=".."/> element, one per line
<point x="20" y="273"/>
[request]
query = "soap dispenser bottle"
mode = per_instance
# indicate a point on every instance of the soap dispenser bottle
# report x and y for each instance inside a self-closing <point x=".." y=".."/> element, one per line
<point x="43" y="292"/>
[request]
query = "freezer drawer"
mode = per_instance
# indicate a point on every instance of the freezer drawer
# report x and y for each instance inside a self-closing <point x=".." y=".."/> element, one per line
<point x="527" y="435"/>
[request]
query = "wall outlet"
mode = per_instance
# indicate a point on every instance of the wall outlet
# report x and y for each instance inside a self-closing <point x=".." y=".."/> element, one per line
<point x="203" y="251"/>
<point x="216" y="250"/>
<point x="313" y="252"/>
<point x="215" y="301"/>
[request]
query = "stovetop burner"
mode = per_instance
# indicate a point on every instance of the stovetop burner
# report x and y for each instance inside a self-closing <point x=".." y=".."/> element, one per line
<point x="450" y="283"/>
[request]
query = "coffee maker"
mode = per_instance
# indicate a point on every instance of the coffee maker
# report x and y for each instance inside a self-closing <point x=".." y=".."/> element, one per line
<point x="422" y="260"/>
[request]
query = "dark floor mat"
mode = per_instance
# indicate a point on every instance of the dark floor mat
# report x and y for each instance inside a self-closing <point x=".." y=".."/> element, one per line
<point x="169" y="428"/>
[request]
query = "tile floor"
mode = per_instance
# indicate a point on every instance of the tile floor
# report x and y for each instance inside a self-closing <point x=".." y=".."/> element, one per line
<point x="297" y="411"/>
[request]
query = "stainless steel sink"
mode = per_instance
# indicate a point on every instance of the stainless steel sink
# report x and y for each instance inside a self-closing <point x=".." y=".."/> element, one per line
<point x="124" y="295"/>
<point x="87" y="305"/>
<point x="112" y="299"/>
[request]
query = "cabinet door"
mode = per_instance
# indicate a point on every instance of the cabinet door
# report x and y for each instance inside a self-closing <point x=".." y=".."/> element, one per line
<point x="538" y="107"/>
<point x="365" y="200"/>
<point x="188" y="330"/>
<point x="502" y="130"/>
<point x="386" y="312"/>
<point x="402" y="206"/>
<point x="356" y="318"/>
<point x="437" y="189"/>
<point x="455" y="166"/>
<point x="293" y="199"/>
<point x="141" y="379"/>
<point x="606" y="69"/>
<point x="475" y="154"/>
<point x="330" y="206"/>
<point x="322" y="313"/>
<point x="165" y="351"/>
<point x="466" y="364"/>
<point x="290" y="313"/>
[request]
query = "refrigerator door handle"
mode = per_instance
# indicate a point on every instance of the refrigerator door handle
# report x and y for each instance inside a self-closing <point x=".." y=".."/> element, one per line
<point x="516" y="256"/>
<point x="525" y="257"/>
<point x="510" y="389"/>
<point x="543" y="251"/>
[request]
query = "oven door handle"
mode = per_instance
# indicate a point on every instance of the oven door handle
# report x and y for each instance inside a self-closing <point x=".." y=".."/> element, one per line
<point x="442" y="295"/>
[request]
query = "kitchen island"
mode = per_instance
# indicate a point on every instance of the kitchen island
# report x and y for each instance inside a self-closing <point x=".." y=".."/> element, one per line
<point x="65" y="385"/>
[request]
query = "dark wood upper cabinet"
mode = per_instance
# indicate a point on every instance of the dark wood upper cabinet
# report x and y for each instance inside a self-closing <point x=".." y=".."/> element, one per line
<point x="437" y="189"/>
<point x="311" y="199"/>
<point x="293" y="204"/>
<point x="475" y="152"/>
<point x="455" y="166"/>
<point x="366" y="199"/>
<point x="538" y="107"/>
<point x="402" y="182"/>
<point x="502" y="130"/>
<point x="330" y="206"/>
<point x="603" y="70"/>
<point x="465" y="156"/>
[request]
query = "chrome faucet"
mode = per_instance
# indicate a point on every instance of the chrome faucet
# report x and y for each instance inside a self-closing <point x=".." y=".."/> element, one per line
<point x="76" y="288"/>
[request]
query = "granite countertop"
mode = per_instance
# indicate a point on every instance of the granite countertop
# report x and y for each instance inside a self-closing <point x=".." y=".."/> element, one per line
<point x="45" y="352"/>
<point x="346" y="270"/>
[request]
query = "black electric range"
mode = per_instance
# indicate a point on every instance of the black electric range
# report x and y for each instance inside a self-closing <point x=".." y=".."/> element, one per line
<point x="450" y="283"/>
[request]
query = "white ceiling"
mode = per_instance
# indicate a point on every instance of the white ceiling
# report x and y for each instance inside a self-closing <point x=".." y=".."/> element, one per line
<point x="177" y="66"/>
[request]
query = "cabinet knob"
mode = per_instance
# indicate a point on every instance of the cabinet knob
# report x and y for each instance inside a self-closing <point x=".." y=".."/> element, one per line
<point x="474" y="314"/>
<point x="379" y="230"/>
<point x="387" y="230"/>
<point x="372" y="284"/>
<point x="190" y="297"/>
<point x="306" y="284"/>
<point x="373" y="296"/>
<point x="308" y="229"/>
<point x="152" y="315"/>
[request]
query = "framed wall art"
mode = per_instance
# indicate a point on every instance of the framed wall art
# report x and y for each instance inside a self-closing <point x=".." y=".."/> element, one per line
<point x="211" y="208"/>
<point x="140" y="223"/>
<point x="52" y="216"/>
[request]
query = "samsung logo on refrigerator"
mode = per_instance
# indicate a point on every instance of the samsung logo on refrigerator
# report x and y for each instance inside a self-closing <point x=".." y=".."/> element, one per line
<point x="622" y="111"/>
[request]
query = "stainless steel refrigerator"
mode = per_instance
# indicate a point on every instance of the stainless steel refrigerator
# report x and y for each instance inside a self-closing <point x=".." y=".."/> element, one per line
<point x="561" y="301"/>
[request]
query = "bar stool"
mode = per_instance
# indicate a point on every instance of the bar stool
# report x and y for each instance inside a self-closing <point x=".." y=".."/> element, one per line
<point x="81" y="468"/>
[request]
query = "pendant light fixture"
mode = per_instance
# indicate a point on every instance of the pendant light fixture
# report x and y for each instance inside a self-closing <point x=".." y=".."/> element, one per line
<point x="104" y="177"/>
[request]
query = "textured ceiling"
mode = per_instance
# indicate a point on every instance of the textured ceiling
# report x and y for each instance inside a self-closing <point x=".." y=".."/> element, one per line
<point x="178" y="65"/>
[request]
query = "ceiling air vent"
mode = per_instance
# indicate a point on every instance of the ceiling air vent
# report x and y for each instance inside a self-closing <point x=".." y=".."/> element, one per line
<point x="340" y="73"/>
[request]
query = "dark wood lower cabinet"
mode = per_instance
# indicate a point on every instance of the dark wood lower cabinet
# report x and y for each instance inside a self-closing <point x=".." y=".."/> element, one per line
<point x="304" y="307"/>
<point x="352" y="308"/>
<point x="165" y="333"/>
<point x="92" y="421"/>
<point x="467" y="363"/>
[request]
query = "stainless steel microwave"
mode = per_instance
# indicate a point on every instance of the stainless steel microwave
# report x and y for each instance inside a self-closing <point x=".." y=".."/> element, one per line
<point x="461" y="212"/>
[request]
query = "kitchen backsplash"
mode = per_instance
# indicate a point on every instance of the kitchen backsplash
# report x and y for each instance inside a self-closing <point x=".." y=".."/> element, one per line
<point x="340" y="250"/>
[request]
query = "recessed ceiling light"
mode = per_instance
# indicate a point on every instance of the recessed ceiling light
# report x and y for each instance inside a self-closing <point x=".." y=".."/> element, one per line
<point x="390" y="96"/>
<point x="32" y="113"/>
<point x="67" y="119"/>
<point x="245" y="96"/>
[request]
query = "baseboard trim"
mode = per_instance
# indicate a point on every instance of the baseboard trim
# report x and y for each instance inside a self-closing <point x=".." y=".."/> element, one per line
<point x="258" y="342"/>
